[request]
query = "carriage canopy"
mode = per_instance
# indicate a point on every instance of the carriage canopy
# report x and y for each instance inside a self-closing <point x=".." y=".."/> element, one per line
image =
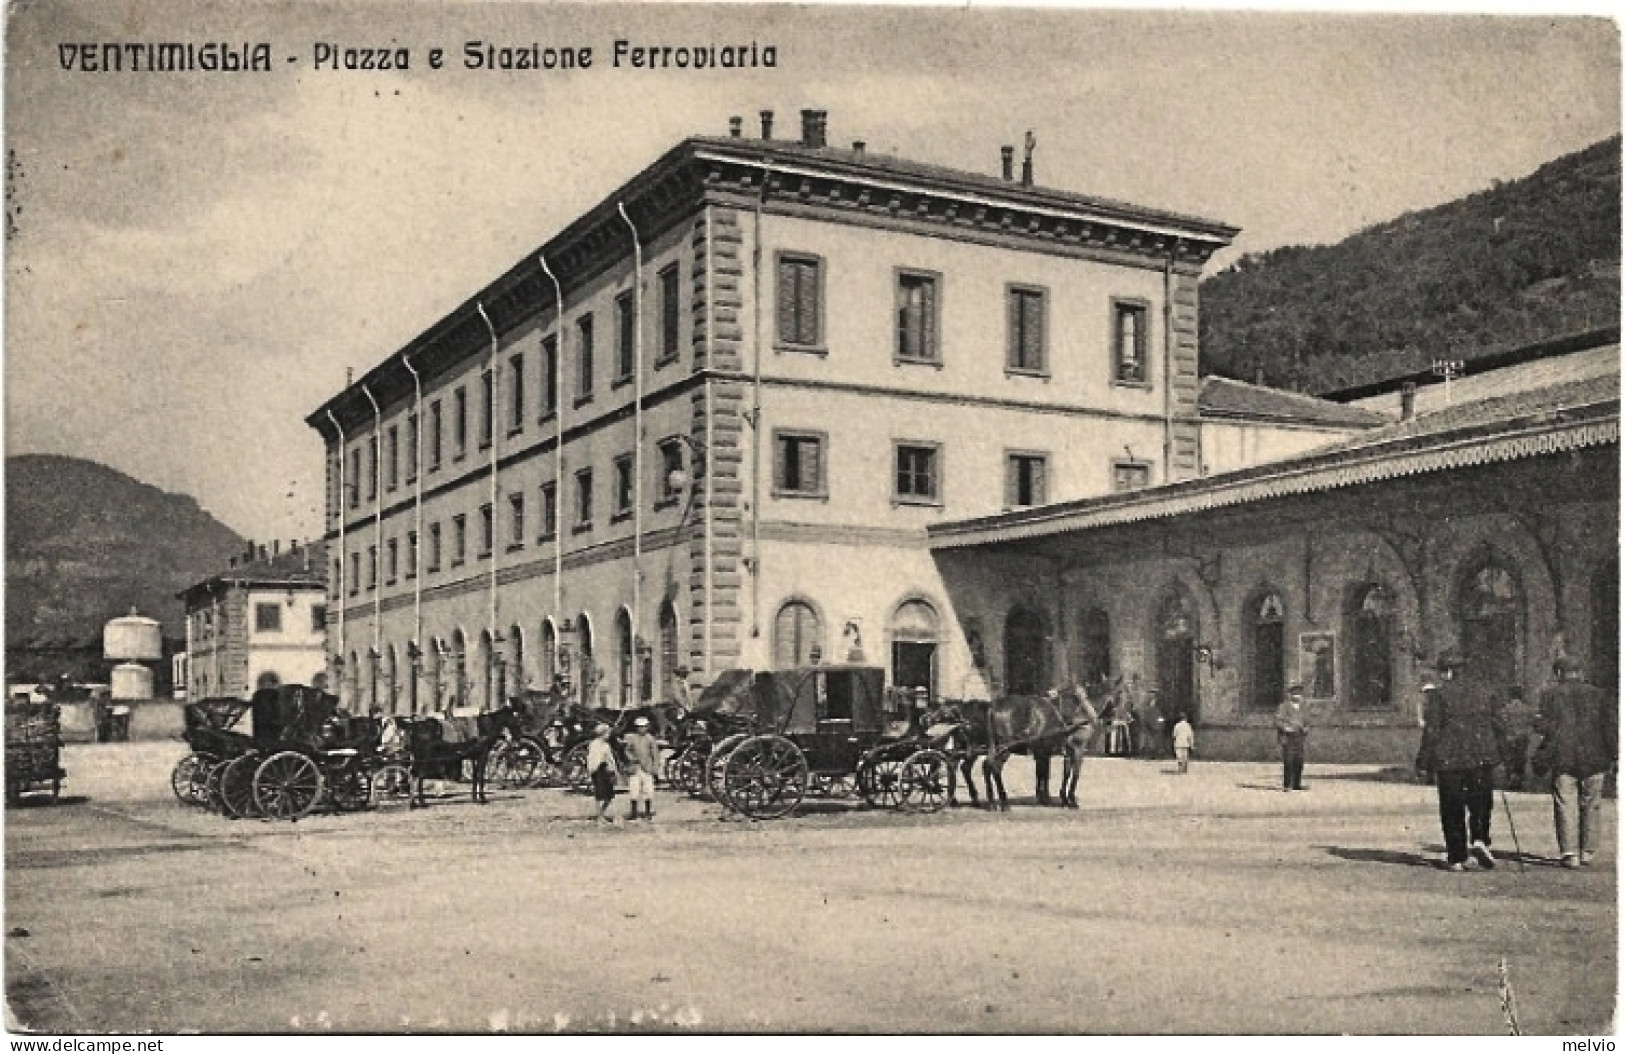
<point x="802" y="701"/>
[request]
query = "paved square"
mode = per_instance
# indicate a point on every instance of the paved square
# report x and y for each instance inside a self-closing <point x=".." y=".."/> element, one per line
<point x="1208" y="903"/>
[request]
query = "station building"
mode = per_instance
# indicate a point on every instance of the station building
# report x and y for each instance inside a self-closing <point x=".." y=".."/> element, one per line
<point x="1484" y="518"/>
<point x="259" y="623"/>
<point x="709" y="424"/>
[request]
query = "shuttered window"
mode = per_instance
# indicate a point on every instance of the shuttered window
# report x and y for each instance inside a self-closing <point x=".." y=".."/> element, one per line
<point x="1026" y="480"/>
<point x="917" y="479"/>
<point x="550" y="376"/>
<point x="798" y="464"/>
<point x="800" y="301"/>
<point x="626" y="328"/>
<point x="1024" y="308"/>
<point x="584" y="359"/>
<point x="917" y="303"/>
<point x="670" y="316"/>
<point x="1129" y="341"/>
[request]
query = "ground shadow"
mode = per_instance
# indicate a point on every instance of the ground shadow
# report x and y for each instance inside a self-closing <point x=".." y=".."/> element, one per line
<point x="1431" y="856"/>
<point x="1386" y="774"/>
<point x="45" y="801"/>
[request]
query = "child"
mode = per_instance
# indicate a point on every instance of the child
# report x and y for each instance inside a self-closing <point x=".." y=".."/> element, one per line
<point x="1184" y="740"/>
<point x="601" y="768"/>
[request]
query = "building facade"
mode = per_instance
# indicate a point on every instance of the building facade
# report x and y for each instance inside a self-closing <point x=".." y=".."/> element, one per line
<point x="707" y="425"/>
<point x="260" y="623"/>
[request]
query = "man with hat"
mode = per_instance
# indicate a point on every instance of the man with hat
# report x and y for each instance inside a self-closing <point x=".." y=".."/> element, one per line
<point x="1291" y="731"/>
<point x="642" y="761"/>
<point x="1463" y="739"/>
<point x="1579" y="744"/>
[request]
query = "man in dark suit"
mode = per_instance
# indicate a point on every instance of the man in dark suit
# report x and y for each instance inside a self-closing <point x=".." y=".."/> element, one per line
<point x="1579" y="744"/>
<point x="1463" y="739"/>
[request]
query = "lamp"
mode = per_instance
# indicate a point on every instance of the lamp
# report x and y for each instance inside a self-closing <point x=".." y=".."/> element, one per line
<point x="680" y="478"/>
<point x="1208" y="655"/>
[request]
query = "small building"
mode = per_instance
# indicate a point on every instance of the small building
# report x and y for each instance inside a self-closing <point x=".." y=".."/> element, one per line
<point x="260" y="623"/>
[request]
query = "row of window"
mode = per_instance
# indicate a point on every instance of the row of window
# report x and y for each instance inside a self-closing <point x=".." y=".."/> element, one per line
<point x="267" y="619"/>
<point x="799" y="461"/>
<point x="395" y="454"/>
<point x="800" y="312"/>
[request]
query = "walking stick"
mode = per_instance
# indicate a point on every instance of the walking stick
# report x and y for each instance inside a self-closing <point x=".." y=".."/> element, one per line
<point x="1507" y="804"/>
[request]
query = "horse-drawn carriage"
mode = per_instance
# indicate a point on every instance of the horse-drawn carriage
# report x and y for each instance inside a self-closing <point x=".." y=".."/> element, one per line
<point x="33" y="749"/>
<point x="828" y="729"/>
<point x="301" y="751"/>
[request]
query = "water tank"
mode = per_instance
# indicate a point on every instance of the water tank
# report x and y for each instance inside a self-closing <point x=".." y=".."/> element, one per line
<point x="133" y="638"/>
<point x="132" y="681"/>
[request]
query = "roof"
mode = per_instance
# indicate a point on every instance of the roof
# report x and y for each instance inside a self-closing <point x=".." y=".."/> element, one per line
<point x="1478" y="364"/>
<point x="1569" y="416"/>
<point x="303" y="568"/>
<point x="1222" y="397"/>
<point x="868" y="163"/>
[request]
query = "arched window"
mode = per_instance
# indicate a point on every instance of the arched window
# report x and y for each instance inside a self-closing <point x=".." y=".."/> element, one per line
<point x="375" y="663"/>
<point x="516" y="664"/>
<point x="796" y="633"/>
<point x="669" y="648"/>
<point x="1174" y="642"/>
<point x="1266" y="624"/>
<point x="914" y="636"/>
<point x="1489" y="614"/>
<point x="1094" y="647"/>
<point x="391" y="680"/>
<point x="625" y="657"/>
<point x="490" y="671"/>
<point x="352" y="680"/>
<point x="1370" y="642"/>
<point x="414" y="673"/>
<point x="1026" y="652"/>
<point x="549" y="656"/>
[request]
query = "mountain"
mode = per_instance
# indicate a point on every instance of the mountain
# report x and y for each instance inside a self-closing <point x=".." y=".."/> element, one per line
<point x="85" y="543"/>
<point x="1519" y="263"/>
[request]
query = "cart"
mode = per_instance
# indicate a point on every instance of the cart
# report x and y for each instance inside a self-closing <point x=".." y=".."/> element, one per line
<point x="33" y="749"/>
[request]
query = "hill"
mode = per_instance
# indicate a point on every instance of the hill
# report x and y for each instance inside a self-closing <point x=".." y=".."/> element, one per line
<point x="1521" y="262"/>
<point x="85" y="543"/>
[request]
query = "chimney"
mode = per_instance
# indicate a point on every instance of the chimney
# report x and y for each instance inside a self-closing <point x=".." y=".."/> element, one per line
<point x="735" y="126"/>
<point x="1008" y="153"/>
<point x="767" y="124"/>
<point x="1258" y="376"/>
<point x="231" y="563"/>
<point x="276" y="548"/>
<point x="262" y="554"/>
<point x="857" y="146"/>
<point x="813" y="124"/>
<point x="1407" y="401"/>
<point x="1027" y="161"/>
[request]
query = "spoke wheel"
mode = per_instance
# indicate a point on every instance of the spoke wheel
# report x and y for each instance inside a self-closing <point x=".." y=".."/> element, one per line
<point x="513" y="763"/>
<point x="765" y="777"/>
<point x="880" y="778"/>
<point x="391" y="787"/>
<point x="688" y="767"/>
<point x="287" y="785"/>
<point x="350" y="788"/>
<point x="715" y="761"/>
<point x="575" y="768"/>
<point x="212" y="799"/>
<point x="189" y="776"/>
<point x="237" y="787"/>
<point x="925" y="781"/>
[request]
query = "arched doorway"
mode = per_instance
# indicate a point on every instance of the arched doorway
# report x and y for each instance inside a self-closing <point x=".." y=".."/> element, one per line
<point x="548" y="659"/>
<point x="1371" y="665"/>
<point x="391" y="679"/>
<point x="457" y="690"/>
<point x="514" y="683"/>
<point x="1094" y="647"/>
<point x="797" y="631"/>
<point x="588" y="673"/>
<point x="914" y="635"/>
<point x="625" y="658"/>
<point x="1266" y="653"/>
<point x="1026" y="652"/>
<point x="1489" y="618"/>
<point x="414" y="659"/>
<point x="1175" y="644"/>
<point x="374" y="675"/>
<point x="670" y="660"/>
<point x="1604" y="671"/>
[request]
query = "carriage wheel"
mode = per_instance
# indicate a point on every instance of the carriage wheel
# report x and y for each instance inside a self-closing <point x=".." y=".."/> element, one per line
<point x="715" y="761"/>
<point x="688" y="766"/>
<point x="287" y="785"/>
<point x="184" y="777"/>
<point x="925" y="780"/>
<point x="237" y="787"/>
<point x="498" y="770"/>
<point x="575" y="768"/>
<point x="765" y="777"/>
<point x="211" y="786"/>
<point x="513" y="763"/>
<point x="391" y="787"/>
<point x="880" y="778"/>
<point x="350" y="788"/>
<point x="527" y="760"/>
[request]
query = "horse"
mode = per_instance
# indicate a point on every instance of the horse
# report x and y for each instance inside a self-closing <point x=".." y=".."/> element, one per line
<point x="959" y="730"/>
<point x="429" y="752"/>
<point x="1060" y="722"/>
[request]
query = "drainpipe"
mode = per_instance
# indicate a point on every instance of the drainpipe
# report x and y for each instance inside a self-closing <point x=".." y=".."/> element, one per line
<point x="491" y="423"/>
<point x="637" y="454"/>
<point x="756" y="410"/>
<point x="343" y="556"/>
<point x="710" y="512"/>
<point x="378" y="541"/>
<point x="558" y="453"/>
<point x="417" y="526"/>
<point x="1168" y="365"/>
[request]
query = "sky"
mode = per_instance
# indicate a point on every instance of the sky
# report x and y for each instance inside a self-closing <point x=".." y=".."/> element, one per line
<point x="199" y="257"/>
